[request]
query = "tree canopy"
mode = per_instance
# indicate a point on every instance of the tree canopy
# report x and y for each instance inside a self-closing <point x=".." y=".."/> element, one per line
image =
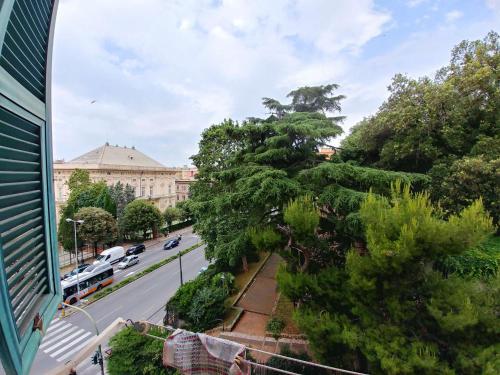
<point x="387" y="310"/>
<point x="99" y="226"/>
<point x="141" y="216"/>
<point x="446" y="127"/>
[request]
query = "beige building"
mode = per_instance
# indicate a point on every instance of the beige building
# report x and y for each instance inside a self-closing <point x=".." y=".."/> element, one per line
<point x="111" y="164"/>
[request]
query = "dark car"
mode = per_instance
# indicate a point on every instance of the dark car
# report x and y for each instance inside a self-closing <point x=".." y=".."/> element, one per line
<point x="136" y="249"/>
<point x="170" y="244"/>
<point x="79" y="269"/>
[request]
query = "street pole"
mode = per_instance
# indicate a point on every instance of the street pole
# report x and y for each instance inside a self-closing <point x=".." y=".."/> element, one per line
<point x="180" y="266"/>
<point x="76" y="262"/>
<point x="101" y="362"/>
<point x="76" y="257"/>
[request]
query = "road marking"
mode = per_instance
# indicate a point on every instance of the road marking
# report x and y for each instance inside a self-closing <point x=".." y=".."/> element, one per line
<point x="65" y="340"/>
<point x="54" y="339"/>
<point x="108" y="314"/>
<point x="130" y="273"/>
<point x="76" y="341"/>
<point x="58" y="330"/>
<point x="52" y="326"/>
<point x="118" y="271"/>
<point x="74" y="350"/>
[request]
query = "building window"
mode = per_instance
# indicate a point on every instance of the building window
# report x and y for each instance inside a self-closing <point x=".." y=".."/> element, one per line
<point x="169" y="189"/>
<point x="133" y="180"/>
<point x="143" y="191"/>
<point x="150" y="180"/>
<point x="151" y="191"/>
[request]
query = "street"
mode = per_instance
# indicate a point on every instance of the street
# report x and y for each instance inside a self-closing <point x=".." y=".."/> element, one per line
<point x="142" y="299"/>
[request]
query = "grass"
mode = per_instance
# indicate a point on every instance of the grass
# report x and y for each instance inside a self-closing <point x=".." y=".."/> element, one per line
<point x="106" y="291"/>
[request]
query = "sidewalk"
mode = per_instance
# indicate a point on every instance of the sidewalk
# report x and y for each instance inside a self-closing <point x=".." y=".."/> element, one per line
<point x="258" y="301"/>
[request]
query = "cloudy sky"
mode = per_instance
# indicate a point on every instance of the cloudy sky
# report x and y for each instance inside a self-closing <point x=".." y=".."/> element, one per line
<point x="161" y="71"/>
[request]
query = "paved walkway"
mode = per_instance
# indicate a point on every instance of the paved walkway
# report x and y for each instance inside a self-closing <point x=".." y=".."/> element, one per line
<point x="258" y="301"/>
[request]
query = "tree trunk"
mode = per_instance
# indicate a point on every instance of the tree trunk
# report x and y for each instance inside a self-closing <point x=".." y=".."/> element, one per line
<point x="95" y="249"/>
<point x="245" y="263"/>
<point x="304" y="265"/>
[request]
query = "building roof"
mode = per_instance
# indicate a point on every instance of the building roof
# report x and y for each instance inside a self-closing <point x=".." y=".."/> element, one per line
<point x="108" y="155"/>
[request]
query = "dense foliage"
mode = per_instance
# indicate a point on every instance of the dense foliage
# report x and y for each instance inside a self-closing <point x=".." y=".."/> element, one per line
<point x="447" y="127"/>
<point x="99" y="226"/>
<point x="248" y="172"/>
<point x="171" y="214"/>
<point x="200" y="303"/>
<point x="387" y="310"/>
<point x="141" y="216"/>
<point x="136" y="354"/>
<point x="83" y="193"/>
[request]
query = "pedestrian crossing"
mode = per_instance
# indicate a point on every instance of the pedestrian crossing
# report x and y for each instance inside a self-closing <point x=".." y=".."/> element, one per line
<point x="63" y="340"/>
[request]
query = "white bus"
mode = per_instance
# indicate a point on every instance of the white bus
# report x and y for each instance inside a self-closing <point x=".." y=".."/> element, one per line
<point x="92" y="279"/>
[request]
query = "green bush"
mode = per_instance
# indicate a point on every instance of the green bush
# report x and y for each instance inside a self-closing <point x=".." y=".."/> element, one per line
<point x="275" y="325"/>
<point x="200" y="302"/>
<point x="292" y="366"/>
<point x="135" y="354"/>
<point x="207" y="308"/>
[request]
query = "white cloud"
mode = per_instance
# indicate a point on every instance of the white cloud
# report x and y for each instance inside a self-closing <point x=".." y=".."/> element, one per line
<point x="162" y="71"/>
<point x="453" y="16"/>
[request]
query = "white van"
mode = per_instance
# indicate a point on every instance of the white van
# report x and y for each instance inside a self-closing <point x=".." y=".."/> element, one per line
<point x="112" y="255"/>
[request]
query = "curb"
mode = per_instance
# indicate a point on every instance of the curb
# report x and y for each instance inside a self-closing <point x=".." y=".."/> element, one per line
<point x="247" y="285"/>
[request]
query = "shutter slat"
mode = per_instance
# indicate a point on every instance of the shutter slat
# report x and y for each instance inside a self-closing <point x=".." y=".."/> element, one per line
<point x="29" y="268"/>
<point x="14" y="154"/>
<point x="16" y="209"/>
<point x="25" y="320"/>
<point x="12" y="176"/>
<point x="20" y="225"/>
<point x="19" y="165"/>
<point x="17" y="254"/>
<point x="19" y="298"/>
<point x="16" y="242"/>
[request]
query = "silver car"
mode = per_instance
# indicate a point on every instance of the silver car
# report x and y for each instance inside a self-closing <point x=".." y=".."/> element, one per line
<point x="128" y="261"/>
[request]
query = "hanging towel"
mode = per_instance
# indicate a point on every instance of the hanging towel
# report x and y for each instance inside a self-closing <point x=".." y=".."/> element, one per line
<point x="197" y="354"/>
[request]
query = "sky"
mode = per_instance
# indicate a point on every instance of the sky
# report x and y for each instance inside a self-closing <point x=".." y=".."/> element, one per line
<point x="154" y="73"/>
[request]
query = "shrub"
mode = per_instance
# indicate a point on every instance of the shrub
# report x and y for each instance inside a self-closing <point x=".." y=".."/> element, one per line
<point x="275" y="325"/>
<point x="292" y="366"/>
<point x="207" y="307"/>
<point x="135" y="354"/>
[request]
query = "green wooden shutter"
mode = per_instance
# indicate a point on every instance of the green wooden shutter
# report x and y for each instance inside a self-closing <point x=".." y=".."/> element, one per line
<point x="29" y="277"/>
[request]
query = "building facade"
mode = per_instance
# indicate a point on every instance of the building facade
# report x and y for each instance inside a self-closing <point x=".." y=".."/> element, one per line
<point x="150" y="179"/>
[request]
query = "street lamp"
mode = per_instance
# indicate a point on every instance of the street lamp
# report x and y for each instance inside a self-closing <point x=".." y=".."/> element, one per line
<point x="76" y="257"/>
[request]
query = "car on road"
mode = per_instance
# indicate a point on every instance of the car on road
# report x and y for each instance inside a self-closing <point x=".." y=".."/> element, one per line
<point x="128" y="261"/>
<point x="202" y="269"/>
<point x="74" y="271"/>
<point x="170" y="244"/>
<point x="112" y="255"/>
<point x="136" y="249"/>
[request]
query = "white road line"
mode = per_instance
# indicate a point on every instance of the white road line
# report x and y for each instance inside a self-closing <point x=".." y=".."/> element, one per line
<point x="65" y="340"/>
<point x="117" y="271"/>
<point x="54" y="339"/>
<point x="64" y="348"/>
<point x="108" y="314"/>
<point x="74" y="350"/>
<point x="52" y="326"/>
<point x="130" y="273"/>
<point x="56" y="331"/>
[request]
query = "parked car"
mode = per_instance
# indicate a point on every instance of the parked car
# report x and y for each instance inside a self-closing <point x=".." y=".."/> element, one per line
<point x="112" y="255"/>
<point x="170" y="244"/>
<point x="128" y="261"/>
<point x="74" y="271"/>
<point x="136" y="249"/>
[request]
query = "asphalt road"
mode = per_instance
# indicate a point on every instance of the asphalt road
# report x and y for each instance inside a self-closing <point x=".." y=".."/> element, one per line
<point x="143" y="299"/>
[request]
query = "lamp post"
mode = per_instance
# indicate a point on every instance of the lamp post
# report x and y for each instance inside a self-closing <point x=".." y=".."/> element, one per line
<point x="76" y="257"/>
<point x="180" y="266"/>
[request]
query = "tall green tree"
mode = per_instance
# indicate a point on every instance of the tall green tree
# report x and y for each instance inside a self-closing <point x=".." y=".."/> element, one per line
<point x="171" y="214"/>
<point x="82" y="194"/>
<point x="386" y="310"/>
<point x="121" y="195"/>
<point x="446" y="127"/>
<point x="99" y="226"/>
<point x="141" y="216"/>
<point x="247" y="173"/>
